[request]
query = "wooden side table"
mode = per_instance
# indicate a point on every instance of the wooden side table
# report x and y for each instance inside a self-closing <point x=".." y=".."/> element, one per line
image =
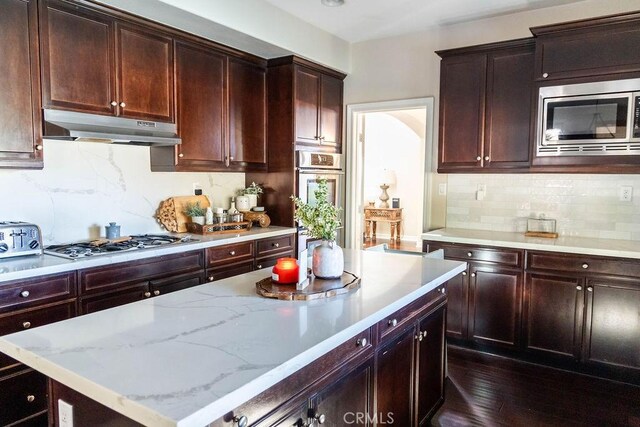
<point x="374" y="215"/>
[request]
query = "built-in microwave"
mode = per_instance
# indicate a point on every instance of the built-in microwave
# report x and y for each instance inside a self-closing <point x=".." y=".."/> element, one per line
<point x="599" y="118"/>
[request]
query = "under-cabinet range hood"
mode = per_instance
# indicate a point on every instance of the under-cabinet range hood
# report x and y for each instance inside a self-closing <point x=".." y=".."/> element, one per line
<point x="72" y="126"/>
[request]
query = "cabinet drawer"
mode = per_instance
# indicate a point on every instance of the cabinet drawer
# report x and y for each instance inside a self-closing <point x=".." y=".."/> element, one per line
<point x="397" y="321"/>
<point x="229" y="254"/>
<point x="582" y="264"/>
<point x="115" y="276"/>
<point x="512" y="257"/>
<point x="22" y="395"/>
<point x="271" y="261"/>
<point x="23" y="293"/>
<point x="176" y="283"/>
<point x="274" y="245"/>
<point x="229" y="270"/>
<point x="114" y="299"/>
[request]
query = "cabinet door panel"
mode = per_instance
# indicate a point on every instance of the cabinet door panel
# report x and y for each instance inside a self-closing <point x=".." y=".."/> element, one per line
<point x="145" y="74"/>
<point x="200" y="75"/>
<point x="458" y="306"/>
<point x="430" y="365"/>
<point x="462" y="93"/>
<point x="114" y="299"/>
<point x="495" y="305"/>
<point x="394" y="379"/>
<point x="247" y="114"/>
<point x="331" y="110"/>
<point x="19" y="79"/>
<point x="613" y="323"/>
<point x="509" y="92"/>
<point x="307" y="100"/>
<point x="13" y="395"/>
<point x="77" y="59"/>
<point x="348" y="395"/>
<point x="554" y="314"/>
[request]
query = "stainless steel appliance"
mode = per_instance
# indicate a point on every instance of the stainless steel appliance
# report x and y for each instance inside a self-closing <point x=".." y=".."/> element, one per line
<point x="70" y="125"/>
<point x="131" y="243"/>
<point x="19" y="238"/>
<point x="600" y="118"/>
<point x="311" y="168"/>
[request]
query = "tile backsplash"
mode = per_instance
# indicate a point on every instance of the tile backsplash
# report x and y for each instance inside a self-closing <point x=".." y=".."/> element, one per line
<point x="84" y="186"/>
<point x="583" y="204"/>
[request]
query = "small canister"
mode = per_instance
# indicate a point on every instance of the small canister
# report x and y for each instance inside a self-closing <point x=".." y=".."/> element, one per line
<point x="112" y="231"/>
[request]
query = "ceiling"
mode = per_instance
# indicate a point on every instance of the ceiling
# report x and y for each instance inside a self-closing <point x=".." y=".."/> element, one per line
<point x="359" y="20"/>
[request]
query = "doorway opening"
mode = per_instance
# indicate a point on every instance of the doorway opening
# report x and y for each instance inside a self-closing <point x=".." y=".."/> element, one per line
<point x="389" y="141"/>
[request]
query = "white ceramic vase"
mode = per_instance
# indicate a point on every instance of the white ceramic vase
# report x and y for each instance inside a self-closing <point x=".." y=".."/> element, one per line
<point x="198" y="219"/>
<point x="253" y="200"/>
<point x="327" y="260"/>
<point x="242" y="203"/>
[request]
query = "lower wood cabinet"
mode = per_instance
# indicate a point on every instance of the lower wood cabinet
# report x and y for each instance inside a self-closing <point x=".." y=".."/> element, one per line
<point x="24" y="399"/>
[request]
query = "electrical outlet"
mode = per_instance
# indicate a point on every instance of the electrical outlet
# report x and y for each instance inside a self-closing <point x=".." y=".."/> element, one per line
<point x="197" y="189"/>
<point x="65" y="414"/>
<point x="482" y="188"/>
<point x="442" y="189"/>
<point x="626" y="193"/>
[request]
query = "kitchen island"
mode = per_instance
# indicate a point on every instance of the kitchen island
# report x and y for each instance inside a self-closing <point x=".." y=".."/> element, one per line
<point x="190" y="357"/>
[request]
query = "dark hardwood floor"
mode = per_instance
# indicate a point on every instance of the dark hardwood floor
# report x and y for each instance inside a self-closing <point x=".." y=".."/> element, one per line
<point x="485" y="390"/>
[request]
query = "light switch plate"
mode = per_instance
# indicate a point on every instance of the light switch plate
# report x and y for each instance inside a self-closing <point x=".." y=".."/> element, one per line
<point x="65" y="414"/>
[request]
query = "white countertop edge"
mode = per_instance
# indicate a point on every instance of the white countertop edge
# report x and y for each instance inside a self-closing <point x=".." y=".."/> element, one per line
<point x="223" y="405"/>
<point x="243" y="394"/>
<point x="66" y="265"/>
<point x="539" y="246"/>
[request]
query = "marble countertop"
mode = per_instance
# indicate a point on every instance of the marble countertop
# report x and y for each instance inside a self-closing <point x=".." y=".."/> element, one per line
<point x="40" y="265"/>
<point x="576" y="245"/>
<point x="189" y="357"/>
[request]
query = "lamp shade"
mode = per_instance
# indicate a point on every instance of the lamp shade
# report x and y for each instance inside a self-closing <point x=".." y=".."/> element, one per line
<point x="388" y="177"/>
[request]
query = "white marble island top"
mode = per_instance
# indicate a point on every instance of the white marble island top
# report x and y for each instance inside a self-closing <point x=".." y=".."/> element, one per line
<point x="566" y="244"/>
<point x="189" y="357"/>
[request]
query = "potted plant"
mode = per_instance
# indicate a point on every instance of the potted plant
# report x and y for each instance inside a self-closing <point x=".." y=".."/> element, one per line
<point x="252" y="192"/>
<point x="196" y="212"/>
<point x="322" y="220"/>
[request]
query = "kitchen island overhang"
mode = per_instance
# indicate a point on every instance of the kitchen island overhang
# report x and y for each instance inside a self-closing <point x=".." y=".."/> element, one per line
<point x="188" y="358"/>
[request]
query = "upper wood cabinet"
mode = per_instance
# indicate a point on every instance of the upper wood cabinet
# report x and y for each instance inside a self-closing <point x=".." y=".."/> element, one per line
<point x="20" y="121"/>
<point x="592" y="47"/>
<point x="309" y="95"/>
<point x="91" y="62"/>
<point x="485" y="107"/>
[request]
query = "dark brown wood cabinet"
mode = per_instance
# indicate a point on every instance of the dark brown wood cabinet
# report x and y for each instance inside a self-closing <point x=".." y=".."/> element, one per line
<point x="95" y="63"/>
<point x="430" y="365"/>
<point x="485" y="107"/>
<point x="26" y="391"/>
<point x="20" y="121"/>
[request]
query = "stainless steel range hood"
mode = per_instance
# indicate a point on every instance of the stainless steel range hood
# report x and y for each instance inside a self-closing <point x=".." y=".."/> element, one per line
<point x="72" y="126"/>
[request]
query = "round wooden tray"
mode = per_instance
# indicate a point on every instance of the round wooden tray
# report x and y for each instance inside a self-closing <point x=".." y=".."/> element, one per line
<point x="317" y="288"/>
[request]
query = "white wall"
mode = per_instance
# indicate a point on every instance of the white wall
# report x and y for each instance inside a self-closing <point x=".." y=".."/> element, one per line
<point x="84" y="186"/>
<point x="407" y="67"/>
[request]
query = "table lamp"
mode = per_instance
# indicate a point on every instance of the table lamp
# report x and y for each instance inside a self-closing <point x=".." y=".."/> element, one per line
<point x="388" y="179"/>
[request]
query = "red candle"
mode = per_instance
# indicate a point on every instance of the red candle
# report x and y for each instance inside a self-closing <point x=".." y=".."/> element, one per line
<point x="285" y="271"/>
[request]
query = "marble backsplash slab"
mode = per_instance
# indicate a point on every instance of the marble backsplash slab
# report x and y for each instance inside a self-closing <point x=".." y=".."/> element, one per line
<point x="84" y="186"/>
<point x="584" y="205"/>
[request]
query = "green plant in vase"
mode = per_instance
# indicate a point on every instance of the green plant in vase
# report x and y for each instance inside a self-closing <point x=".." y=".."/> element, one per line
<point x="196" y="212"/>
<point x="252" y="192"/>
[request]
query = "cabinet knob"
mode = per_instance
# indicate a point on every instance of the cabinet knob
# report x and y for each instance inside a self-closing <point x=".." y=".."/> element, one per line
<point x="419" y="337"/>
<point x="486" y="157"/>
<point x="590" y="288"/>
<point x="259" y="266"/>
<point x="210" y="278"/>
<point x="545" y="75"/>
<point x="241" y="421"/>
<point x="24" y="294"/>
<point x="26" y="325"/>
<point x="579" y="287"/>
<point x="147" y="294"/>
<point x="114" y="103"/>
<point x="30" y="398"/>
<point x="156" y="293"/>
<point x="232" y="253"/>
<point x="181" y="155"/>
<point x="277" y="245"/>
<point x="122" y="104"/>
<point x="469" y="254"/>
<point x="230" y="157"/>
<point x="320" y="418"/>
<point x="443" y="290"/>
<point x="585" y="265"/>
<point x="478" y="158"/>
<point x="392" y="322"/>
<point x="362" y="342"/>
<point x="473" y="274"/>
<point x="464" y="273"/>
<point x="39" y="147"/>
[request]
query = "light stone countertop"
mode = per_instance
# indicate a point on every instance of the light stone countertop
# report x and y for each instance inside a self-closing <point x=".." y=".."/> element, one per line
<point x="189" y="357"/>
<point x="575" y="245"/>
<point x="40" y="265"/>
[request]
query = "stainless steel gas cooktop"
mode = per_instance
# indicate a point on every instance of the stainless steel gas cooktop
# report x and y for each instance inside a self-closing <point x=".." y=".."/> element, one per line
<point x="106" y="247"/>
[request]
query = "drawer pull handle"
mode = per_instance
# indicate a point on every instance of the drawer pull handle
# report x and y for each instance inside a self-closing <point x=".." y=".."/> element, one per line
<point x="320" y="418"/>
<point x="232" y="253"/>
<point x="579" y="287"/>
<point x="114" y="104"/>
<point x="277" y="245"/>
<point x="26" y="325"/>
<point x="31" y="398"/>
<point x="590" y="288"/>
<point x="24" y="294"/>
<point x="241" y="421"/>
<point x="181" y="155"/>
<point x="545" y="75"/>
<point x="473" y="274"/>
<point x="122" y="104"/>
<point x="486" y="157"/>
<point x="147" y="294"/>
<point x="210" y="278"/>
<point x="443" y="290"/>
<point x="464" y="273"/>
<point x="39" y="147"/>
<point x="259" y="266"/>
<point x="478" y="158"/>
<point x="362" y="342"/>
<point x="156" y="293"/>
<point x="585" y="265"/>
<point x="469" y="254"/>
<point x="419" y="336"/>
<point x="392" y="322"/>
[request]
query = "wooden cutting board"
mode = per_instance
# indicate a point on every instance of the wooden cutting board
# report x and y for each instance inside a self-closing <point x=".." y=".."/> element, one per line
<point x="171" y="214"/>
